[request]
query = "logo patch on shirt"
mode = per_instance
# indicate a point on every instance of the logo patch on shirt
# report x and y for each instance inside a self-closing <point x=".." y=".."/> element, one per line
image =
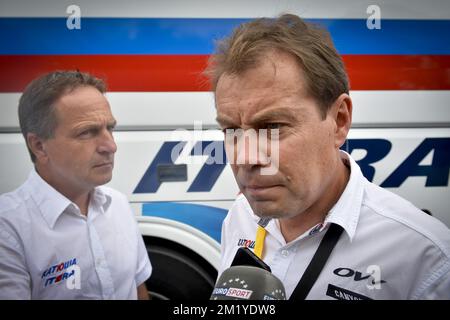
<point x="373" y="276"/>
<point x="344" y="294"/>
<point x="246" y="243"/>
<point x="60" y="272"/>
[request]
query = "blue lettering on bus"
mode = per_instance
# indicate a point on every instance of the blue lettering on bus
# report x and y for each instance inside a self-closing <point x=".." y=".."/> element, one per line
<point x="437" y="173"/>
<point x="211" y="170"/>
<point x="150" y="182"/>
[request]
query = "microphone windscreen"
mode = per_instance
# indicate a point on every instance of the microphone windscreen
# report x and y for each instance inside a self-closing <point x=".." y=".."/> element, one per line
<point x="248" y="283"/>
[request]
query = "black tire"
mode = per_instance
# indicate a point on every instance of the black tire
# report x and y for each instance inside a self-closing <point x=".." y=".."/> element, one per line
<point x="176" y="276"/>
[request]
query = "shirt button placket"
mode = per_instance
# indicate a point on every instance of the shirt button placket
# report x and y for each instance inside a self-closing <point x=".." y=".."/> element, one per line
<point x="103" y="271"/>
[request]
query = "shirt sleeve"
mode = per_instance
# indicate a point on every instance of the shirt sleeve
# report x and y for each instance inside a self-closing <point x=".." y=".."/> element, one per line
<point x="437" y="287"/>
<point x="14" y="277"/>
<point x="144" y="267"/>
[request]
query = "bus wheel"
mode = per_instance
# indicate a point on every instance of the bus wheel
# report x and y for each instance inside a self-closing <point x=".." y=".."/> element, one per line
<point x="178" y="275"/>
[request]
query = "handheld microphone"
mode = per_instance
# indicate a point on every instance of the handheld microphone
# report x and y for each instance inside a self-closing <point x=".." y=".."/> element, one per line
<point x="245" y="257"/>
<point x="248" y="283"/>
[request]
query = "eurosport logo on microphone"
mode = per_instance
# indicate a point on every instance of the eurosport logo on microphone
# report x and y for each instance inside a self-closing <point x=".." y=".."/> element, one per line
<point x="233" y="292"/>
<point x="241" y="293"/>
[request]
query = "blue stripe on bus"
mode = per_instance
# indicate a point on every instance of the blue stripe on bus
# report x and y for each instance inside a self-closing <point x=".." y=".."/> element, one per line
<point x="204" y="218"/>
<point x="196" y="36"/>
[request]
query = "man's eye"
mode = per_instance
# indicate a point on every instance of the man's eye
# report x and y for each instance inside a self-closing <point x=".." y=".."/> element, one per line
<point x="272" y="126"/>
<point x="87" y="133"/>
<point x="84" y="133"/>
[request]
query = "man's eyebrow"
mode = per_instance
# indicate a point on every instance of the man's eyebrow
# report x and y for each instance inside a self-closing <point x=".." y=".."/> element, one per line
<point x="274" y="114"/>
<point x="94" y="125"/>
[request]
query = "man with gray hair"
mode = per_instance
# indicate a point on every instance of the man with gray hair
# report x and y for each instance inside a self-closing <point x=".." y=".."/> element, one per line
<point x="62" y="234"/>
<point x="322" y="227"/>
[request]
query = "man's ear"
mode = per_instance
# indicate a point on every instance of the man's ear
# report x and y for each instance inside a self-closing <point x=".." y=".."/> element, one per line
<point x="37" y="146"/>
<point x="341" y="111"/>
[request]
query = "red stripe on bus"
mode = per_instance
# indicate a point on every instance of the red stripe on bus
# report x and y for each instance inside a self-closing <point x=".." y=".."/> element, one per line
<point x="141" y="73"/>
<point x="398" y="72"/>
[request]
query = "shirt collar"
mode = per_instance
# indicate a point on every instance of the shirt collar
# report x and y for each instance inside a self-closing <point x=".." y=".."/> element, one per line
<point x="52" y="203"/>
<point x="100" y="199"/>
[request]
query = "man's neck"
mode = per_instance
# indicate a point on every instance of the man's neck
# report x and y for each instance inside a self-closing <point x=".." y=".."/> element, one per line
<point x="82" y="201"/>
<point x="292" y="228"/>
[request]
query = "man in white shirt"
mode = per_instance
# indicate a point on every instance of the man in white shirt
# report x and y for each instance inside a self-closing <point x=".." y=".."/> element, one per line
<point x="62" y="234"/>
<point x="285" y="76"/>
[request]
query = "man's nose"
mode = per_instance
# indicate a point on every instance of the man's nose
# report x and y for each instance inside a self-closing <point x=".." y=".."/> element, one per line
<point x="107" y="143"/>
<point x="248" y="151"/>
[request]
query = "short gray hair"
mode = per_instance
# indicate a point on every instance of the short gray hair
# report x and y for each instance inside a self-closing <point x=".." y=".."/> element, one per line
<point x="36" y="105"/>
<point x="310" y="44"/>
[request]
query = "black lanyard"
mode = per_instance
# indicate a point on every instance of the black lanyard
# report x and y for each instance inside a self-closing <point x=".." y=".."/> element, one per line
<point x="317" y="263"/>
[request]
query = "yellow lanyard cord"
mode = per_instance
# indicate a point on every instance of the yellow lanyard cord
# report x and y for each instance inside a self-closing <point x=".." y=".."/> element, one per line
<point x="259" y="243"/>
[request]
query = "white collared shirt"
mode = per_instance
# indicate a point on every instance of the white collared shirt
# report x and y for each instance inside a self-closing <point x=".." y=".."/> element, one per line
<point x="389" y="249"/>
<point x="49" y="250"/>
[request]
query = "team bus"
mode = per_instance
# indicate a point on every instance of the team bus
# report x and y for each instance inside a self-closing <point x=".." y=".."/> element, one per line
<point x="152" y="54"/>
